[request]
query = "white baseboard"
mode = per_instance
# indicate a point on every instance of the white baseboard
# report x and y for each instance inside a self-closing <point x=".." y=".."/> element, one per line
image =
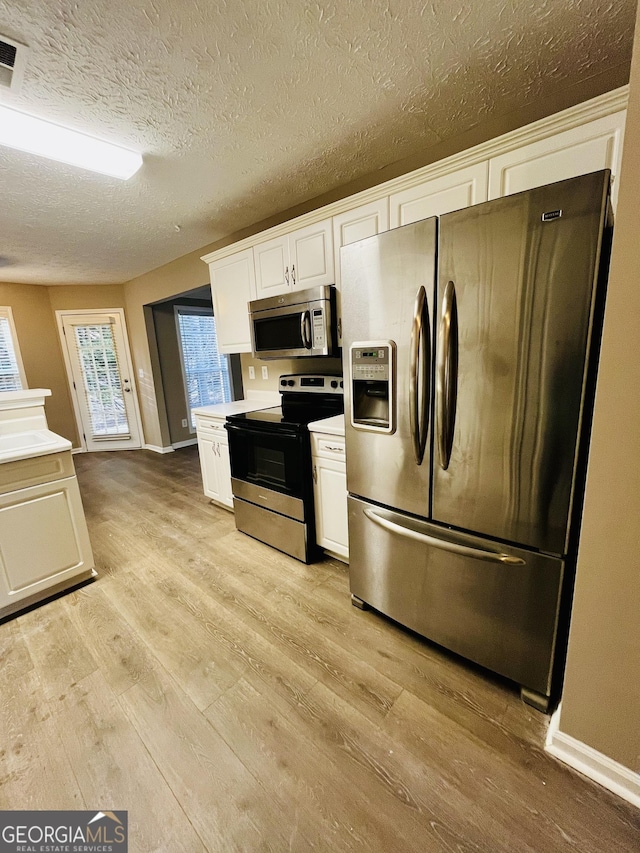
<point x="157" y="449"/>
<point x="187" y="443"/>
<point x="593" y="764"/>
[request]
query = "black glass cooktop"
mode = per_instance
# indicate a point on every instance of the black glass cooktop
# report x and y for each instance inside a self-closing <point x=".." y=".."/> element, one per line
<point x="292" y="415"/>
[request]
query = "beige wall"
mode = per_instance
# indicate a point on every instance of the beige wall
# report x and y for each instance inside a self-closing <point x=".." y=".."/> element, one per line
<point x="601" y="699"/>
<point x="277" y="367"/>
<point x="76" y="297"/>
<point x="34" y="308"/>
<point x="186" y="273"/>
<point x="41" y="353"/>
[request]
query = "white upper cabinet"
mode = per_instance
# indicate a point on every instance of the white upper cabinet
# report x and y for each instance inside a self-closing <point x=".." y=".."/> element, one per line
<point x="233" y="285"/>
<point x="358" y="224"/>
<point x="351" y="226"/>
<point x="272" y="267"/>
<point x="303" y="258"/>
<point x="587" y="148"/>
<point x="311" y="254"/>
<point x="437" y="196"/>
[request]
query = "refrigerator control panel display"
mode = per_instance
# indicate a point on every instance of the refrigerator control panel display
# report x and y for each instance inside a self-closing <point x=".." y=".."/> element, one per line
<point x="373" y="386"/>
<point x="370" y="363"/>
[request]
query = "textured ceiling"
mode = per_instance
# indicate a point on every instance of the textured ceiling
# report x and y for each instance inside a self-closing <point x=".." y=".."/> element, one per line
<point x="247" y="107"/>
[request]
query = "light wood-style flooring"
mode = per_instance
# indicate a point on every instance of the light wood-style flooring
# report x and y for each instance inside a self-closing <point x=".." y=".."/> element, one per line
<point x="232" y="699"/>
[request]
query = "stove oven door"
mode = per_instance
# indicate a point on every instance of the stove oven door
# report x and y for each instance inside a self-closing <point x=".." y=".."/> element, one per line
<point x="272" y="492"/>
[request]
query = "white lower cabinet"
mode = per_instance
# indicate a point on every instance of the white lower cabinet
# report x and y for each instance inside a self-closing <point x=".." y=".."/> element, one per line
<point x="45" y="543"/>
<point x="213" y="447"/>
<point x="330" y="494"/>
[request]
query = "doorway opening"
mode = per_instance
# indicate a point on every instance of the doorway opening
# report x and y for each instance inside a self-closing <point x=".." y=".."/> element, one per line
<point x="188" y="370"/>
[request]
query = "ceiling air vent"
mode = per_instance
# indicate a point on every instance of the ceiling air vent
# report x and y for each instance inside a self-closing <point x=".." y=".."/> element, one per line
<point x="12" y="59"/>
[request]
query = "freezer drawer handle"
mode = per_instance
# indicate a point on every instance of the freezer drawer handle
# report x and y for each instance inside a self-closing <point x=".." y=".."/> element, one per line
<point x="447" y="373"/>
<point x="418" y="404"/>
<point x="443" y="544"/>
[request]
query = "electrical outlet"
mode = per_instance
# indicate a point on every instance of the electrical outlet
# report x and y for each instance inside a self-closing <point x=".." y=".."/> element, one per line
<point x="252" y="372"/>
<point x="265" y="371"/>
<point x="184" y="422"/>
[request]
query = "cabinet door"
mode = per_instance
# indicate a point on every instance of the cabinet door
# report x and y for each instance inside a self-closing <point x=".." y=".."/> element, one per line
<point x="272" y="267"/>
<point x="589" y="148"/>
<point x="209" y="467"/>
<point x="224" y="475"/>
<point x="233" y="285"/>
<point x="44" y="539"/>
<point x="440" y="195"/>
<point x="358" y="224"/>
<point x="311" y="252"/>
<point x="330" y="494"/>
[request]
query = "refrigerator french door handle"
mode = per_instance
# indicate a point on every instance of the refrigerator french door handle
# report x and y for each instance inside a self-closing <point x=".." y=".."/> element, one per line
<point x="442" y="544"/>
<point x="305" y="323"/>
<point x="419" y="407"/>
<point x="447" y="374"/>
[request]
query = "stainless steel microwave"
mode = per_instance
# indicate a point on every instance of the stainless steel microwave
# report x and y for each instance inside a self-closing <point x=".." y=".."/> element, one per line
<point x="294" y="325"/>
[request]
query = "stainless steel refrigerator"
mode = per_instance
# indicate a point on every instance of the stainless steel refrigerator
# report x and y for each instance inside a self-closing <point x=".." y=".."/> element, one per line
<point x="470" y="345"/>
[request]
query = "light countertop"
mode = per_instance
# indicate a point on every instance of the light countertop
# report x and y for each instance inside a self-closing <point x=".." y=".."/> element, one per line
<point x="24" y="445"/>
<point x="330" y="426"/>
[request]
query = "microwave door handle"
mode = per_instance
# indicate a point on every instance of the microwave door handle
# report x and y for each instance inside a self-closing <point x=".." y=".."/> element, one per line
<point x="305" y="324"/>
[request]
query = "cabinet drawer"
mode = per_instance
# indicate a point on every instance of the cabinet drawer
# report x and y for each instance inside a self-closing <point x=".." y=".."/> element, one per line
<point x="206" y="427"/>
<point x="329" y="446"/>
<point x="35" y="470"/>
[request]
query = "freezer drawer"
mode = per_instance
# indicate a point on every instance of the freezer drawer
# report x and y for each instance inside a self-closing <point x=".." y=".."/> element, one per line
<point x="495" y="605"/>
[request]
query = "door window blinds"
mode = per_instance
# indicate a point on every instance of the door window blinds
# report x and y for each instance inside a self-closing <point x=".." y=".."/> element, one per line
<point x="12" y="376"/>
<point x="101" y="379"/>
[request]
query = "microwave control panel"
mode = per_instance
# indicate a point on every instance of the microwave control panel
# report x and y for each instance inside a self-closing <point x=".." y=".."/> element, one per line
<point x="318" y="328"/>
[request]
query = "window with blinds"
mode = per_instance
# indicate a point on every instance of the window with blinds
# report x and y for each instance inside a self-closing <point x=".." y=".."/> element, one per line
<point x="206" y="371"/>
<point x="12" y="376"/>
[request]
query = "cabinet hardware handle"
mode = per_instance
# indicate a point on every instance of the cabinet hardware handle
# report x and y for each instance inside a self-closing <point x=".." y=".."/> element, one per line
<point x="286" y="275"/>
<point x="315" y="474"/>
<point x="293" y="275"/>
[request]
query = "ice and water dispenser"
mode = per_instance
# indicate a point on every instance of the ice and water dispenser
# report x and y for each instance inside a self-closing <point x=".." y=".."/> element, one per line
<point x="373" y="386"/>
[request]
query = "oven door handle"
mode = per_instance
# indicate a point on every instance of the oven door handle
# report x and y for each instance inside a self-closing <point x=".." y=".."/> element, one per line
<point x="246" y="430"/>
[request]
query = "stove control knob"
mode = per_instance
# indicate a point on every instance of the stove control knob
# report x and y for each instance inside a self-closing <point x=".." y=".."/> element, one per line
<point x="341" y="384"/>
<point x="283" y="381"/>
<point x="334" y="384"/>
<point x="291" y="382"/>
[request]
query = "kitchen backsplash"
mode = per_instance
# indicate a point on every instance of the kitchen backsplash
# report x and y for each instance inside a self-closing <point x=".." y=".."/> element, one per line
<point x="278" y="367"/>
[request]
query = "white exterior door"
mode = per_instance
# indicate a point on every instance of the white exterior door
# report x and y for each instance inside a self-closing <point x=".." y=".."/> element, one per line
<point x="101" y="379"/>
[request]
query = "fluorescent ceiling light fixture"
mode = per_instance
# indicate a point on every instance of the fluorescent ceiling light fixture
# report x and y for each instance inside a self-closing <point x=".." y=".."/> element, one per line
<point x="37" y="136"/>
